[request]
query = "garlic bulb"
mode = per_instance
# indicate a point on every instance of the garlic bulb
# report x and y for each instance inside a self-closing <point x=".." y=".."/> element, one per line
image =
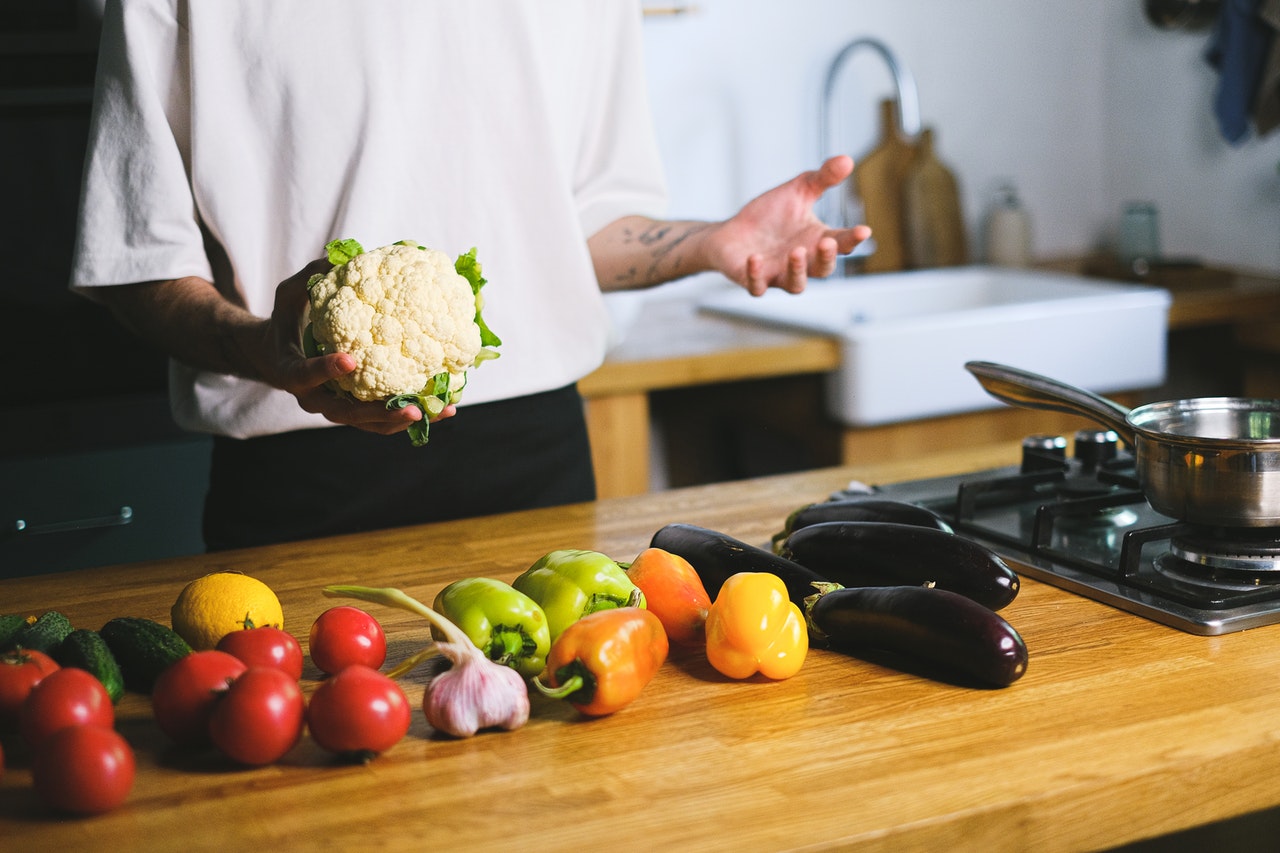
<point x="475" y="693"/>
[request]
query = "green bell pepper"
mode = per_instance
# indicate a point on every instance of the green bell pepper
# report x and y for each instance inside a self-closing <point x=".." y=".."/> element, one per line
<point x="568" y="584"/>
<point x="507" y="625"/>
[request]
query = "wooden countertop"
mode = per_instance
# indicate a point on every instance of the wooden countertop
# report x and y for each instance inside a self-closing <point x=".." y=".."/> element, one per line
<point x="1121" y="728"/>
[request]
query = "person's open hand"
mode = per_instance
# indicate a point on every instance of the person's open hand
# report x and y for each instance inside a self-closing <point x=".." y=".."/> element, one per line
<point x="777" y="240"/>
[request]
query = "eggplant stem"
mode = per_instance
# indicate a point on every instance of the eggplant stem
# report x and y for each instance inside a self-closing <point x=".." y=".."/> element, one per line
<point x="822" y="588"/>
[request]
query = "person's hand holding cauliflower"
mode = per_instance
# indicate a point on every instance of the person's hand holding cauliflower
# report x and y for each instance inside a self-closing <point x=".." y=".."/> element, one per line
<point x="408" y="316"/>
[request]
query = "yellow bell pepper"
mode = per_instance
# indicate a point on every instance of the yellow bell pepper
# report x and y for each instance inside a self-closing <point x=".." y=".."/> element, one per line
<point x="753" y="626"/>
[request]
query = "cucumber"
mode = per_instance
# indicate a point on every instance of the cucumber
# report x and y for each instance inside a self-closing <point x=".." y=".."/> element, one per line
<point x="87" y="650"/>
<point x="143" y="648"/>
<point x="10" y="625"/>
<point x="44" y="634"/>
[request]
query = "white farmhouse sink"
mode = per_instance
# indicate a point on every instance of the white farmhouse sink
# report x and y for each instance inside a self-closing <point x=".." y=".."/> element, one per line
<point x="905" y="337"/>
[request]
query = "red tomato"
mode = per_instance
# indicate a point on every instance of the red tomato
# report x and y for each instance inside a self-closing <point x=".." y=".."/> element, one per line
<point x="83" y="769"/>
<point x="260" y="716"/>
<point x="359" y="712"/>
<point x="67" y="697"/>
<point x="265" y="646"/>
<point x="344" y="635"/>
<point x="20" y="670"/>
<point x="185" y="693"/>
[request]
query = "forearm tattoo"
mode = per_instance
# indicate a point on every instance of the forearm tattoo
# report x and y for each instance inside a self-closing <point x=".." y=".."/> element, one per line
<point x="660" y="256"/>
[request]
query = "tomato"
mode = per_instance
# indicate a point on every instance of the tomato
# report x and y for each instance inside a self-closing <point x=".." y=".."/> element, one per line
<point x="184" y="695"/>
<point x="359" y="712"/>
<point x="20" y="670"/>
<point x="67" y="697"/>
<point x="265" y="646"/>
<point x="345" y="635"/>
<point x="83" y="769"/>
<point x="260" y="716"/>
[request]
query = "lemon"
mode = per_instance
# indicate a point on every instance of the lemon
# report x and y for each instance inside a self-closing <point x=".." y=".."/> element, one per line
<point x="213" y="606"/>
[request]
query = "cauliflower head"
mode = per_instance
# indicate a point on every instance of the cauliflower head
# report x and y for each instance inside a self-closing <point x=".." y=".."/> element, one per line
<point x="409" y="316"/>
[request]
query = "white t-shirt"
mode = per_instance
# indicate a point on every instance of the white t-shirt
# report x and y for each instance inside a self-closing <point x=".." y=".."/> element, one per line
<point x="233" y="138"/>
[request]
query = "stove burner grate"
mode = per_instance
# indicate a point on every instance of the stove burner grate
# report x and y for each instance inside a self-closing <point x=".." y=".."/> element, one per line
<point x="1236" y="553"/>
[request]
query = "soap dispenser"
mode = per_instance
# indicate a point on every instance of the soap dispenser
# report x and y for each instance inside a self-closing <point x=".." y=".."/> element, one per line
<point x="1008" y="230"/>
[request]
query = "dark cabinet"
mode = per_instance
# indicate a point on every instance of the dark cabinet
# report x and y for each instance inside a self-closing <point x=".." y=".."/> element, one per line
<point x="75" y="510"/>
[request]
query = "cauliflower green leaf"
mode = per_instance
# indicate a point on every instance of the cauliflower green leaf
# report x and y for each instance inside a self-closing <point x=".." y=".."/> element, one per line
<point x="469" y="268"/>
<point x="431" y="400"/>
<point x="341" y="251"/>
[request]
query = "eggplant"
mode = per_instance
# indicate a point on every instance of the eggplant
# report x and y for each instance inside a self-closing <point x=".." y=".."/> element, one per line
<point x="949" y="635"/>
<point x="716" y="557"/>
<point x="878" y="553"/>
<point x="866" y="508"/>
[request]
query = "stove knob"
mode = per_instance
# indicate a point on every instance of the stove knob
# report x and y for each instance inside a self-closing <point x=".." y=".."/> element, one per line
<point x="1043" y="452"/>
<point x="1096" y="447"/>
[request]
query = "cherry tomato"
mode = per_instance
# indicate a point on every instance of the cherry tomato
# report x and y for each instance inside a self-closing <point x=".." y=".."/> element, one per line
<point x="185" y="693"/>
<point x="260" y="716"/>
<point x="20" y="670"/>
<point x="345" y="635"/>
<point x="83" y="769"/>
<point x="358" y="712"/>
<point x="265" y="646"/>
<point x="67" y="697"/>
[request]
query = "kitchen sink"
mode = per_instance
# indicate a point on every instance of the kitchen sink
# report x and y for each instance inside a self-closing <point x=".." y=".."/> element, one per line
<point x="905" y="337"/>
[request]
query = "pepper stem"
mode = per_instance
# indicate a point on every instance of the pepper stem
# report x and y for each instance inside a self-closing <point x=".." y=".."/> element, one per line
<point x="578" y="680"/>
<point x="571" y="686"/>
<point x="508" y="645"/>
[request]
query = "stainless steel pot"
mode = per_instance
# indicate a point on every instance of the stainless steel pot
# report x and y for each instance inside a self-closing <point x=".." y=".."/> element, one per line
<point x="1209" y="460"/>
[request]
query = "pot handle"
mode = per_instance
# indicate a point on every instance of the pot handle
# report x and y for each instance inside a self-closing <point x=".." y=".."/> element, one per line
<point x="1032" y="391"/>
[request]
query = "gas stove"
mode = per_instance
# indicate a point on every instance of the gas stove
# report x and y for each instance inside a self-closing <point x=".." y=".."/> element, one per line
<point x="1077" y="519"/>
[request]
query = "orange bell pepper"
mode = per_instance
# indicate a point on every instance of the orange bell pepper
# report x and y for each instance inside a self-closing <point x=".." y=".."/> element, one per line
<point x="753" y="626"/>
<point x="673" y="592"/>
<point x="602" y="662"/>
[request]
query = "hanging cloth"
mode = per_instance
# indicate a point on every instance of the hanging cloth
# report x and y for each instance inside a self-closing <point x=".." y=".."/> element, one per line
<point x="1238" y="51"/>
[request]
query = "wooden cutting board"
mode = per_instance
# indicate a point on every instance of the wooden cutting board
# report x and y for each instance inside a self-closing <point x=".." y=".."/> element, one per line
<point x="934" y="221"/>
<point x="878" y="179"/>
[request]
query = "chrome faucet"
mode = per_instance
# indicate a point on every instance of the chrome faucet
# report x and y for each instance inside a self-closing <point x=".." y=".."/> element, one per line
<point x="903" y="83"/>
<point x="904" y="91"/>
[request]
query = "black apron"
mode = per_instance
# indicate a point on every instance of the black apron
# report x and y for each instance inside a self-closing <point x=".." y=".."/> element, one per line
<point x="489" y="458"/>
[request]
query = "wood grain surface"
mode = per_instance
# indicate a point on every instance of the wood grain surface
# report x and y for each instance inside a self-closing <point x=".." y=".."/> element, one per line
<point x="1121" y="728"/>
